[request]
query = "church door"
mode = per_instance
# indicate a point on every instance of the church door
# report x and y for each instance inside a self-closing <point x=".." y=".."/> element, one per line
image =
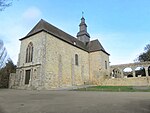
<point x="27" y="76"/>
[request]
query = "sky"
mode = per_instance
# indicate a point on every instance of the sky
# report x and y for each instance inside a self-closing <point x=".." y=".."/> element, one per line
<point x="121" y="26"/>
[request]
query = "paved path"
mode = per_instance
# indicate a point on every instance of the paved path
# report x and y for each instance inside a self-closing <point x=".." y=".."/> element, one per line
<point x="25" y="101"/>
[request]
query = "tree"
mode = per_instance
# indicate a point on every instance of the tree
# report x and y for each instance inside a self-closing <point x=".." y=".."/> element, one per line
<point x="3" y="54"/>
<point x="4" y="4"/>
<point x="5" y="72"/>
<point x="145" y="56"/>
<point x="6" y="66"/>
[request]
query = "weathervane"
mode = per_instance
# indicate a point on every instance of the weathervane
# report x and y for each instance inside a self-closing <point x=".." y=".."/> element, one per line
<point x="82" y="14"/>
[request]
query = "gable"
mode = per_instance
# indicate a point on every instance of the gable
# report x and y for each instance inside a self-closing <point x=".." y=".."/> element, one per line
<point x="95" y="45"/>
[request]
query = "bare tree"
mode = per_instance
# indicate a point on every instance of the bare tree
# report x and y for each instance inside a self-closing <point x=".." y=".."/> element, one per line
<point x="3" y="54"/>
<point x="4" y="4"/>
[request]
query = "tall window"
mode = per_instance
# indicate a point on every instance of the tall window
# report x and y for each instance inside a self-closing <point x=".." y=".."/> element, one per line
<point x="29" y="53"/>
<point x="105" y="64"/>
<point x="76" y="60"/>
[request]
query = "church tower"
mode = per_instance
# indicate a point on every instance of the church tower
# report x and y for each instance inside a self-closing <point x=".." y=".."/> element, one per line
<point x="83" y="35"/>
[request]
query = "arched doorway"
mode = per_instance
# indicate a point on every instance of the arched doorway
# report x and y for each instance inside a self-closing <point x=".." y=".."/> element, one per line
<point x="130" y="75"/>
<point x="140" y="72"/>
<point x="128" y="72"/>
<point x="116" y="73"/>
<point x="149" y="71"/>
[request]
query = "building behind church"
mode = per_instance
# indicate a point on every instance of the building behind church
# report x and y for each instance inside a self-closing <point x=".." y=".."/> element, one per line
<point x="50" y="58"/>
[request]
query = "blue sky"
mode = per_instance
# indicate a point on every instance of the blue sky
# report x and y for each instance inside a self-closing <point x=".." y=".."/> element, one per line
<point x="122" y="26"/>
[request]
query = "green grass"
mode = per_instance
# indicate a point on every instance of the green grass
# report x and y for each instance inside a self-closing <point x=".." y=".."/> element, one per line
<point x="115" y="89"/>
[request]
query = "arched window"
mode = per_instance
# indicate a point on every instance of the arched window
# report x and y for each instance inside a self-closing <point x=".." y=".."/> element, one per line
<point x="76" y="60"/>
<point x="29" y="53"/>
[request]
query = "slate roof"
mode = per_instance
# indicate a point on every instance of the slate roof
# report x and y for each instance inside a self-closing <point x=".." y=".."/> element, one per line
<point x="42" y="25"/>
<point x="95" y="45"/>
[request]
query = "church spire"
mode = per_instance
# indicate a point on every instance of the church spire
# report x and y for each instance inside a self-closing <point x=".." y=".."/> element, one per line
<point x="83" y="35"/>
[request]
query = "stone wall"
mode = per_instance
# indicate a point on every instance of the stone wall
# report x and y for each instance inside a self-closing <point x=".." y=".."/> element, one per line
<point x="36" y="79"/>
<point x="60" y="65"/>
<point x="98" y="69"/>
<point x="141" y="81"/>
<point x="38" y="44"/>
<point x="12" y="80"/>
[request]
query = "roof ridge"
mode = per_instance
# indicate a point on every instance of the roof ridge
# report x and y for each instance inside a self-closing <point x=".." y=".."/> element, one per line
<point x="58" y="29"/>
<point x="75" y="39"/>
<point x="43" y="25"/>
<point x="34" y="30"/>
<point x="94" y="40"/>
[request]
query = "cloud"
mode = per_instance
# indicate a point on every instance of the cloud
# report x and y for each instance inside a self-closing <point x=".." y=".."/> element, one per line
<point x="21" y="26"/>
<point x="32" y="13"/>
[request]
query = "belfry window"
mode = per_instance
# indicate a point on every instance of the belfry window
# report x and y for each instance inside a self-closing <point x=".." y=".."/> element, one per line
<point x="76" y="60"/>
<point x="29" y="53"/>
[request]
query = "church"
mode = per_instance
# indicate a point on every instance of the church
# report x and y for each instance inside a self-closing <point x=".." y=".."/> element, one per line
<point x="51" y="58"/>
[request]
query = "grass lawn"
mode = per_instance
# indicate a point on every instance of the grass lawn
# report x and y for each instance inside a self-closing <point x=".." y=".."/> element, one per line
<point x="116" y="88"/>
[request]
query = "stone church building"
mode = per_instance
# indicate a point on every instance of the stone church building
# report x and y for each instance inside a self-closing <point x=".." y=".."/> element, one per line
<point x="51" y="58"/>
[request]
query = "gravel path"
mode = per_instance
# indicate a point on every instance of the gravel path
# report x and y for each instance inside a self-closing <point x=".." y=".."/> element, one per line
<point x="25" y="101"/>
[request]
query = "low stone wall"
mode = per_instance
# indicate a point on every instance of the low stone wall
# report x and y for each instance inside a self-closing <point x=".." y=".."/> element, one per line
<point x="12" y="80"/>
<point x="141" y="81"/>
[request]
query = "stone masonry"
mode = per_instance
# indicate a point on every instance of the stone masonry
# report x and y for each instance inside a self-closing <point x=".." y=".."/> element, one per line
<point x="59" y="60"/>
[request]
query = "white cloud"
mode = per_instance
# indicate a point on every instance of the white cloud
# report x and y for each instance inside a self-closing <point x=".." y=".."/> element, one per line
<point x="32" y="13"/>
<point x="12" y="30"/>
